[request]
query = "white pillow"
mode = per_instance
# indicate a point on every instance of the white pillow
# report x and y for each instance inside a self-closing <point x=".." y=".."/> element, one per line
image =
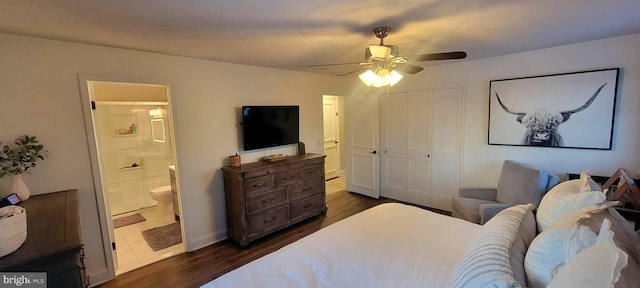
<point x="587" y="184"/>
<point x="551" y="249"/>
<point x="569" y="186"/>
<point x="556" y="205"/>
<point x="597" y="266"/>
<point x="493" y="256"/>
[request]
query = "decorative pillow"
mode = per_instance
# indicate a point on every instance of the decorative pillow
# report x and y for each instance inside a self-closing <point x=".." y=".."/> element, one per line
<point x="625" y="238"/>
<point x="550" y="250"/>
<point x="569" y="186"/>
<point x="597" y="266"/>
<point x="495" y="256"/>
<point x="556" y="205"/>
<point x="587" y="184"/>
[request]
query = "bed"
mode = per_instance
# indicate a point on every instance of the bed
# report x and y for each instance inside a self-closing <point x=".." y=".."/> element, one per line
<point x="398" y="245"/>
<point x="389" y="238"/>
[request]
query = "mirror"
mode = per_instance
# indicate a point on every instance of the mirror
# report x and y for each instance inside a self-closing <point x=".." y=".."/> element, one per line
<point x="157" y="130"/>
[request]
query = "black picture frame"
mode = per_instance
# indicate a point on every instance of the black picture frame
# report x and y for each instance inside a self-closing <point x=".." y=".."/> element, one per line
<point x="568" y="110"/>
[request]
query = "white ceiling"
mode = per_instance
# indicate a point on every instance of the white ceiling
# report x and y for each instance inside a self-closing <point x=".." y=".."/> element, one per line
<point x="292" y="34"/>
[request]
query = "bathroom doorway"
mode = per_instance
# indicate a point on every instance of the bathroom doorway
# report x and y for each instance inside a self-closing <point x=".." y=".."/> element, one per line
<point x="135" y="173"/>
<point x="333" y="126"/>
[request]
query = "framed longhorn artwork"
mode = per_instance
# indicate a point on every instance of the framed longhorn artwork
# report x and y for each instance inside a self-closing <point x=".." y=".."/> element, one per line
<point x="570" y="110"/>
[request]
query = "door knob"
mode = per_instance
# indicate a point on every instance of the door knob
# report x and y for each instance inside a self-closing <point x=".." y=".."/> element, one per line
<point x="336" y="142"/>
<point x="374" y="152"/>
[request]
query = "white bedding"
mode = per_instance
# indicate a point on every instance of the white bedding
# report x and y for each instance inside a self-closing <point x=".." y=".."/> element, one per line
<point x="390" y="245"/>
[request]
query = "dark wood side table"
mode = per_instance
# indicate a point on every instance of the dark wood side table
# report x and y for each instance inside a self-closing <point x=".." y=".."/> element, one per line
<point x="54" y="241"/>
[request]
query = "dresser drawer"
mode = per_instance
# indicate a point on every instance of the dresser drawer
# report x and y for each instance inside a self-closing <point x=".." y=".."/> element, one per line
<point x="307" y="188"/>
<point x="303" y="164"/>
<point x="255" y="185"/>
<point x="307" y="206"/>
<point x="312" y="172"/>
<point x="267" y="200"/>
<point x="265" y="171"/>
<point x="267" y="221"/>
<point x="287" y="178"/>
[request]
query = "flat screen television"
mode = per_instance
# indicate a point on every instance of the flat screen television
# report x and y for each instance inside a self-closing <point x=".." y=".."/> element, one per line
<point x="270" y="126"/>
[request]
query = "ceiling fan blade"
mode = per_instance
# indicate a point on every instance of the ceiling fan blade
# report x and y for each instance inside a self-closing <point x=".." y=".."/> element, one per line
<point x="354" y="71"/>
<point x="408" y="68"/>
<point x="333" y="64"/>
<point x="439" y="56"/>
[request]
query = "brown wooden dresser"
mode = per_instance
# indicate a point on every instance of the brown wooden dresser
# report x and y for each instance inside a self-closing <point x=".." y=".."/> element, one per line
<point x="263" y="197"/>
<point x="54" y="241"/>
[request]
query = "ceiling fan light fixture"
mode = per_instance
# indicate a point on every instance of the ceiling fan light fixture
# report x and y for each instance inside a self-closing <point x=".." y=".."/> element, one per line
<point x="368" y="77"/>
<point x="380" y="78"/>
<point x="380" y="51"/>
<point x="393" y="77"/>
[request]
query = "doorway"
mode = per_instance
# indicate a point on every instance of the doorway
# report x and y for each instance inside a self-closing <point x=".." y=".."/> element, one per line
<point x="131" y="139"/>
<point x="333" y="123"/>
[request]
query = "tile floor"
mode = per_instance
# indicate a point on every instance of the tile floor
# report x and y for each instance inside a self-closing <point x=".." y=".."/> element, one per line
<point x="131" y="248"/>
<point x="334" y="185"/>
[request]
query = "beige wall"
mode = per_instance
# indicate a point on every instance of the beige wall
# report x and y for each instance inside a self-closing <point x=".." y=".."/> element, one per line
<point x="41" y="96"/>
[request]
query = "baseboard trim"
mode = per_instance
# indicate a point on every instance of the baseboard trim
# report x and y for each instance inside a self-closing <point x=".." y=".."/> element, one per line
<point x="208" y="239"/>
<point x="98" y="277"/>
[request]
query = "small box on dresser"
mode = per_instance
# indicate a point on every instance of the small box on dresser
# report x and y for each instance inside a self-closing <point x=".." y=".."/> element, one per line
<point x="263" y="197"/>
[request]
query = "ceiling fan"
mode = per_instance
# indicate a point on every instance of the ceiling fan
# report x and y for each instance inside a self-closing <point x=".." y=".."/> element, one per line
<point x="383" y="62"/>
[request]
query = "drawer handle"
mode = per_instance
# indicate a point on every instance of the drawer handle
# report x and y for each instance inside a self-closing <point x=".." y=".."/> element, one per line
<point x="267" y="200"/>
<point x="288" y="178"/>
<point x="311" y="171"/>
<point x="307" y="205"/>
<point x="258" y="185"/>
<point x="307" y="189"/>
<point x="269" y="220"/>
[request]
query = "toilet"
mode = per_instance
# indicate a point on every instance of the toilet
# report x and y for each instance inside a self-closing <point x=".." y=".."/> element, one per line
<point x="165" y="200"/>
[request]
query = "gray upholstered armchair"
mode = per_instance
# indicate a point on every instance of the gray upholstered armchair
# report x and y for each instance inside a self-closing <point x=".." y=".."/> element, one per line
<point x="518" y="184"/>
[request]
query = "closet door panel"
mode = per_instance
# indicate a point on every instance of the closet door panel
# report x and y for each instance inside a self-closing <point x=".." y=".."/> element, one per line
<point x="419" y="112"/>
<point x="447" y="144"/>
<point x="393" y="146"/>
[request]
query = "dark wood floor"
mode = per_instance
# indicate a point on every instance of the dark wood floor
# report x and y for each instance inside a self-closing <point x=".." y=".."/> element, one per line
<point x="196" y="268"/>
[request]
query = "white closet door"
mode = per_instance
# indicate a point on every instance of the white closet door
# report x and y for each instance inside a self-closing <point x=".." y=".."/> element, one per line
<point x="447" y="144"/>
<point x="393" y="156"/>
<point x="362" y="145"/>
<point x="418" y="148"/>
<point x="420" y="143"/>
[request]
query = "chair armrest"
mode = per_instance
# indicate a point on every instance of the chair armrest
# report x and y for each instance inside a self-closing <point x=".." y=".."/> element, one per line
<point x="488" y="194"/>
<point x="487" y="211"/>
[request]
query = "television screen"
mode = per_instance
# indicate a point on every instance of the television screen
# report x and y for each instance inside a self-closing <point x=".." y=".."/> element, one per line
<point x="270" y="126"/>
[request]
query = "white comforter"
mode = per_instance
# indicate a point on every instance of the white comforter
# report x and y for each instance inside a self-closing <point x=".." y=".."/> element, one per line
<point x="390" y="245"/>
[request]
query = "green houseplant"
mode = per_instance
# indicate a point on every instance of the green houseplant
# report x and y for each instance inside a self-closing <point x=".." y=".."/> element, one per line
<point x="17" y="159"/>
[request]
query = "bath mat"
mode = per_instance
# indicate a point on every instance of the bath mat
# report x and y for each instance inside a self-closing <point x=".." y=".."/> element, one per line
<point x="164" y="236"/>
<point x="128" y="220"/>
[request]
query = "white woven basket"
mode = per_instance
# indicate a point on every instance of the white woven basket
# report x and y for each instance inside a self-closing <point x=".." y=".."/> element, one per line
<point x="13" y="229"/>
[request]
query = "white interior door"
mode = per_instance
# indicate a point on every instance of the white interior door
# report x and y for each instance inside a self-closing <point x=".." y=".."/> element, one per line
<point x="447" y="145"/>
<point x="331" y="136"/>
<point x="393" y="156"/>
<point x="418" y="148"/>
<point x="362" y="145"/>
<point x="405" y="146"/>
